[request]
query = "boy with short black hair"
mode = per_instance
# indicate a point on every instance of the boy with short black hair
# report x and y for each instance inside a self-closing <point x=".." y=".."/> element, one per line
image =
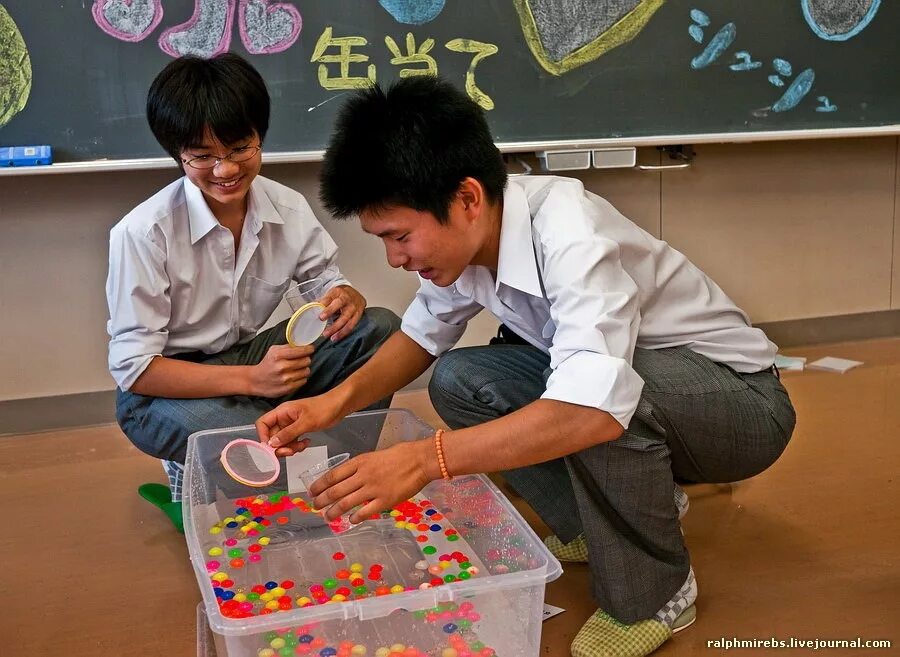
<point x="197" y="269"/>
<point x="638" y="369"/>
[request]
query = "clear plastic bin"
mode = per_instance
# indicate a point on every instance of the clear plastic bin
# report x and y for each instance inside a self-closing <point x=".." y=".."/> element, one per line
<point x="457" y="574"/>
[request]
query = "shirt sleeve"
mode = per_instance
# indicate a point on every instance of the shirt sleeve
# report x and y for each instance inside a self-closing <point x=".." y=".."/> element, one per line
<point x="594" y="306"/>
<point x="318" y="257"/>
<point x="137" y="292"/>
<point x="437" y="317"/>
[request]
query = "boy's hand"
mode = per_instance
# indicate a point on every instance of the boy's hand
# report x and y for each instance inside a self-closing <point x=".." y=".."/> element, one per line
<point x="283" y="370"/>
<point x="282" y="426"/>
<point x="346" y="305"/>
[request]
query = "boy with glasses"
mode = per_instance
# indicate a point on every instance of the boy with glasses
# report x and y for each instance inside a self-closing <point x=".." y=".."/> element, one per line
<point x="197" y="269"/>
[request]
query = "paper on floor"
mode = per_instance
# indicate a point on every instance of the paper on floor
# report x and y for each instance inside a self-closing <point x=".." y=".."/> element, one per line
<point x="550" y="611"/>
<point x="832" y="364"/>
<point x="790" y="362"/>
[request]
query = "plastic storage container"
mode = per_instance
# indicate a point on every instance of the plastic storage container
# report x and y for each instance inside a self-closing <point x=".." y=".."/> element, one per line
<point x="454" y="572"/>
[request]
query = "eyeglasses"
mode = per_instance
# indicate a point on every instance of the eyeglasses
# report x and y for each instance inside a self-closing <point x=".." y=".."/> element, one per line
<point x="241" y="154"/>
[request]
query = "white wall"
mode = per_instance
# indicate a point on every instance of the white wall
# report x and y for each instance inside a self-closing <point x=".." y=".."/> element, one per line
<point x="791" y="230"/>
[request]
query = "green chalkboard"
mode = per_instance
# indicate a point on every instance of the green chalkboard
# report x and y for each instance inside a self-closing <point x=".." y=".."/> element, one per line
<point x="75" y="72"/>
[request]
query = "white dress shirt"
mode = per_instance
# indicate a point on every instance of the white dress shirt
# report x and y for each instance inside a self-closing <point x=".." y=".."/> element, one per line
<point x="176" y="284"/>
<point x="582" y="283"/>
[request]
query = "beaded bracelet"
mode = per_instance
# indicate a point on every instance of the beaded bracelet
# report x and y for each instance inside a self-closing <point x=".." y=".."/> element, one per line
<point x="439" y="448"/>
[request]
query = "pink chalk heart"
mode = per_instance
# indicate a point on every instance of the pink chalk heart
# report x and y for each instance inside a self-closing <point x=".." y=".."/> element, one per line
<point x="268" y="27"/>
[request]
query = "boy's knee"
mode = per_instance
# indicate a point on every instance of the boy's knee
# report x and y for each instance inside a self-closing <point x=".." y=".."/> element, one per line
<point x="383" y="323"/>
<point x="448" y="379"/>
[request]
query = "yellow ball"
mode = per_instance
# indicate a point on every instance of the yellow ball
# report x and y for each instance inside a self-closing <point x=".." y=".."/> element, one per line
<point x="215" y="530"/>
<point x="265" y="597"/>
<point x="337" y="597"/>
<point x="277" y="591"/>
<point x="448" y="652"/>
<point x="220" y="576"/>
<point x="271" y="604"/>
<point x="214" y="552"/>
<point x="356" y="568"/>
<point x="398" y="647"/>
<point x="395" y="513"/>
<point x="358" y="649"/>
<point x="410" y="526"/>
<point x="445" y="564"/>
<point x="240" y="597"/>
<point x="277" y="643"/>
<point x="266" y="652"/>
<point x="264" y="540"/>
<point x="400" y="525"/>
<point x="382" y="652"/>
<point x="397" y="589"/>
<point x="302" y="601"/>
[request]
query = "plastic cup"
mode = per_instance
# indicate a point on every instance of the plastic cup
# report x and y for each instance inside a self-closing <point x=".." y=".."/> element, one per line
<point x="300" y="294"/>
<point x="316" y="472"/>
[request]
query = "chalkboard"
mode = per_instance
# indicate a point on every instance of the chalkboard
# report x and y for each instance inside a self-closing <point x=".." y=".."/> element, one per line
<point x="75" y="72"/>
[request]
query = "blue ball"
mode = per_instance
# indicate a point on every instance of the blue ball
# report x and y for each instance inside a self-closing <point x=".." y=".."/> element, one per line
<point x="306" y="638"/>
<point x="435" y="528"/>
<point x="227" y="595"/>
<point x="450" y="628"/>
<point x="271" y="585"/>
<point x="328" y="652"/>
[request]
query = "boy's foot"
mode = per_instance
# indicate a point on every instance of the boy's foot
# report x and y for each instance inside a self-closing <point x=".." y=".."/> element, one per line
<point x="160" y="496"/>
<point x="604" y="636"/>
<point x="576" y="550"/>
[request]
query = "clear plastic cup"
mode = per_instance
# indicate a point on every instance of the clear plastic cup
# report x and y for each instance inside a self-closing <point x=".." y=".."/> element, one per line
<point x="300" y="294"/>
<point x="313" y="474"/>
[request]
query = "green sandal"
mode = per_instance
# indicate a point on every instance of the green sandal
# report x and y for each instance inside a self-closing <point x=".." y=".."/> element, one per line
<point x="160" y="496"/>
<point x="604" y="636"/>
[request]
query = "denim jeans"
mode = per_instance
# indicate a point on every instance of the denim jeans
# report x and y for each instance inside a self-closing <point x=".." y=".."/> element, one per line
<point x="697" y="420"/>
<point x="160" y="426"/>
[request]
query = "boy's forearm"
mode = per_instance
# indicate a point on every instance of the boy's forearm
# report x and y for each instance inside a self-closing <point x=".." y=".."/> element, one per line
<point x="397" y="363"/>
<point x="178" y="379"/>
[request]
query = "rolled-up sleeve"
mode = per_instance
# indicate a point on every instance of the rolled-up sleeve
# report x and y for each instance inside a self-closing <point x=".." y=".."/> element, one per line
<point x="437" y="317"/>
<point x="594" y="305"/>
<point x="139" y="305"/>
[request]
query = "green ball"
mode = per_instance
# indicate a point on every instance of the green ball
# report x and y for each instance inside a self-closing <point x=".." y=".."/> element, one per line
<point x="429" y="549"/>
<point x="15" y="69"/>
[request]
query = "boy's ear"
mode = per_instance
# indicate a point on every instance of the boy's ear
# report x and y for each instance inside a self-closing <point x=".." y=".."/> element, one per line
<point x="471" y="194"/>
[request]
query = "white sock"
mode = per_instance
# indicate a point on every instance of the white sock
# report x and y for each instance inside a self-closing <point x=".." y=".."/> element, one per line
<point x="175" y="473"/>
<point x="683" y="599"/>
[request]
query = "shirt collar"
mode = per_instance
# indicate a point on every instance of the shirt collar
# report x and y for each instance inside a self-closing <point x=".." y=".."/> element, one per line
<point x="259" y="209"/>
<point x="516" y="264"/>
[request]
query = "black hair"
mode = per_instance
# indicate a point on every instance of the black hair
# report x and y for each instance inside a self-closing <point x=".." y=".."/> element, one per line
<point x="411" y="145"/>
<point x="224" y="93"/>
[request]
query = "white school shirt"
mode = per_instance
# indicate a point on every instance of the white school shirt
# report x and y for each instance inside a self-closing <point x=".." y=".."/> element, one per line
<point x="582" y="283"/>
<point x="176" y="285"/>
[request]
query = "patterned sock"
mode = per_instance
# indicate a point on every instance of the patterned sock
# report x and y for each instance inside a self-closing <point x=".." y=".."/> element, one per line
<point x="175" y="473"/>
<point x="683" y="599"/>
<point x="681" y="501"/>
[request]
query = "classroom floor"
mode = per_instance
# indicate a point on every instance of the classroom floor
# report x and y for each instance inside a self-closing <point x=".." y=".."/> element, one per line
<point x="808" y="549"/>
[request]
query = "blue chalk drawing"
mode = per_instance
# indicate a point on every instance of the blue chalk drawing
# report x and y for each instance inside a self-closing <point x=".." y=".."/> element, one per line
<point x="826" y="106"/>
<point x="796" y="91"/>
<point x="716" y="47"/>
<point x="701" y="20"/>
<point x="746" y="62"/>
<point x="859" y="27"/>
<point x="413" y="12"/>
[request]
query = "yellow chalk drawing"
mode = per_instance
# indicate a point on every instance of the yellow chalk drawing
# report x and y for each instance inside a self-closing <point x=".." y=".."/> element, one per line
<point x="345" y="58"/>
<point x="413" y="56"/>
<point x="481" y="51"/>
<point x="621" y="32"/>
<point x="15" y="69"/>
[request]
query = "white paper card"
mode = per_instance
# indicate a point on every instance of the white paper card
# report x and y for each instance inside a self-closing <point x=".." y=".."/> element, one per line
<point x="550" y="611"/>
<point x="303" y="461"/>
<point x="831" y="364"/>
<point x="790" y="362"/>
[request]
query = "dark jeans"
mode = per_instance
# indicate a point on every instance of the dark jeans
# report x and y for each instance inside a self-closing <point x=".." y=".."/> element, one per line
<point x="697" y="420"/>
<point x="160" y="426"/>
